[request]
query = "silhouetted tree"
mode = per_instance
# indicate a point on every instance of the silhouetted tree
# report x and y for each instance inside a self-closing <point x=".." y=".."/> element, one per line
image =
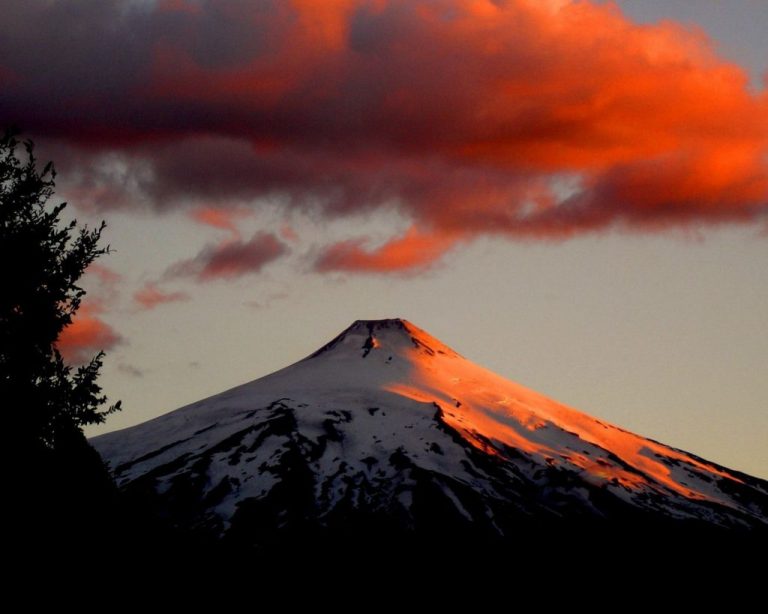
<point x="45" y="401"/>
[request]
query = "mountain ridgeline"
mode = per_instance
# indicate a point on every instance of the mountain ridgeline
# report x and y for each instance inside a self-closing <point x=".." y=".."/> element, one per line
<point x="386" y="435"/>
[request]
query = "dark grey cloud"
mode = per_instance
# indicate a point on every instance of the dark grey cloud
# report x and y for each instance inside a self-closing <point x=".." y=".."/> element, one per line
<point x="232" y="258"/>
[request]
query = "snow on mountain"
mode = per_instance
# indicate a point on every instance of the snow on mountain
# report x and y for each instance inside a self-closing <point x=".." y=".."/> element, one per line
<point x="387" y="422"/>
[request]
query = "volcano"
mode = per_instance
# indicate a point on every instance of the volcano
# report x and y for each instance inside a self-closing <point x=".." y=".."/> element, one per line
<point x="387" y="430"/>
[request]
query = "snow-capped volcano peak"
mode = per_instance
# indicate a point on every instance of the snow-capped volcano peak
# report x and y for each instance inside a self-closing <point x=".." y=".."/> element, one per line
<point x="394" y="336"/>
<point x="385" y="417"/>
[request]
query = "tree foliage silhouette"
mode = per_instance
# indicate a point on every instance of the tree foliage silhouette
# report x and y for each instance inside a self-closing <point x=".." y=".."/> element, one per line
<point x="46" y="401"/>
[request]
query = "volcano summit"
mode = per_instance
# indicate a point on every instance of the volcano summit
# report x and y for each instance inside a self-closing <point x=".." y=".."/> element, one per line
<point x="385" y="428"/>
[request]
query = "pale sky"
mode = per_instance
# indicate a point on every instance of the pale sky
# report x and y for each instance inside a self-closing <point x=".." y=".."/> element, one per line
<point x="661" y="332"/>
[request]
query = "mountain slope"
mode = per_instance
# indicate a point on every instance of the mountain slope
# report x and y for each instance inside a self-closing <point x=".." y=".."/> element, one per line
<point x="386" y="426"/>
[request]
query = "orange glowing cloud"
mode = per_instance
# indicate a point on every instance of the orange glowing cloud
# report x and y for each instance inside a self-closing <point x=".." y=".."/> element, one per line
<point x="411" y="252"/>
<point x="522" y="119"/>
<point x="86" y="335"/>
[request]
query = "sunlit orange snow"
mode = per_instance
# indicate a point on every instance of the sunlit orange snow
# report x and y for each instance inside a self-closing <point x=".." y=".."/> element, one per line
<point x="492" y="412"/>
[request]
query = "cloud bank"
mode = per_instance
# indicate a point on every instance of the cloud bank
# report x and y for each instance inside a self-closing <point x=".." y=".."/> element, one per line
<point x="527" y="119"/>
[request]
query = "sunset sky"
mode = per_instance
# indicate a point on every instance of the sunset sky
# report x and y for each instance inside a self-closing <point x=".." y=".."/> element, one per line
<point x="572" y="194"/>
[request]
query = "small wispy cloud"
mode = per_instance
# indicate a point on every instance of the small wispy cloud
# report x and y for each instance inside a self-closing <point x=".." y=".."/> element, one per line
<point x="230" y="259"/>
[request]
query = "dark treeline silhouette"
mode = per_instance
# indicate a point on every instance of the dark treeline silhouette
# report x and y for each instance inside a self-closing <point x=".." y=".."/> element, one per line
<point x="59" y="490"/>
